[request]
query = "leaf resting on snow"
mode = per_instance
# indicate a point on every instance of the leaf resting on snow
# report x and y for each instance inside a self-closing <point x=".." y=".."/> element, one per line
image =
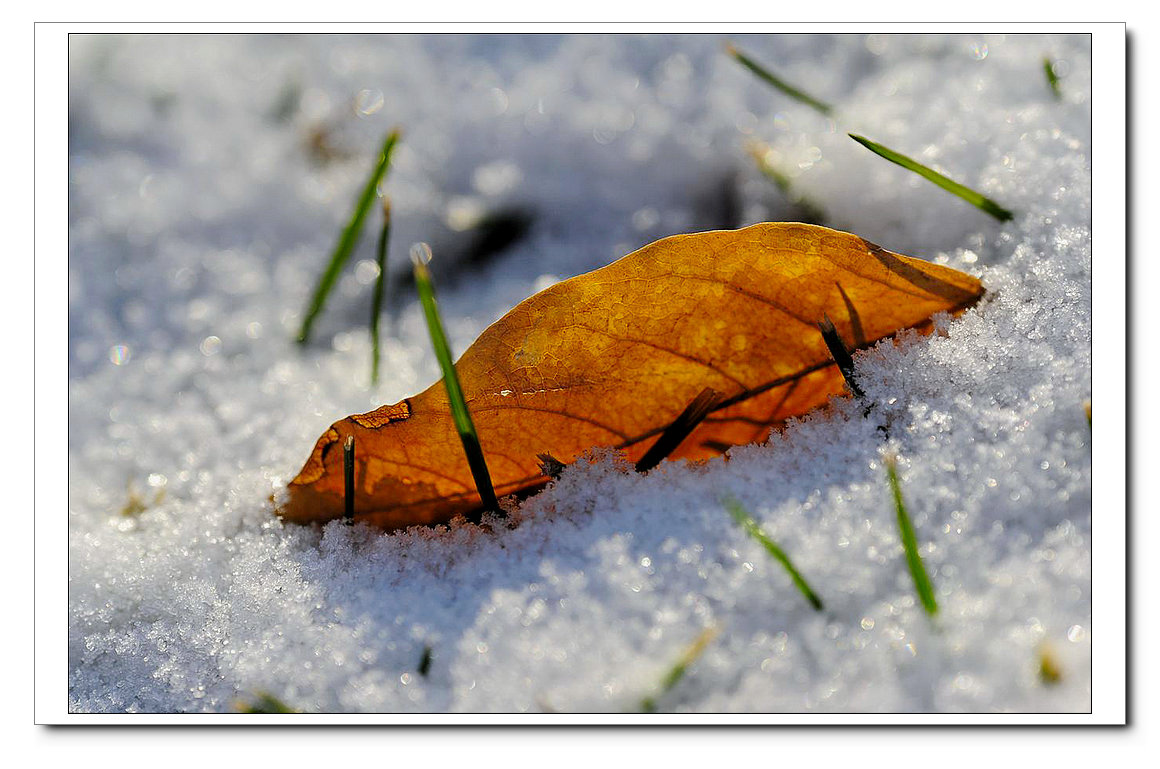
<point x="612" y="357"/>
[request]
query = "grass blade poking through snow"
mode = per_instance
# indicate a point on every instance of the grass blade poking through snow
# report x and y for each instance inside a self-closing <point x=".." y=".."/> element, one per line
<point x="264" y="702"/>
<point x="348" y="480"/>
<point x="840" y="353"/>
<point x="1050" y="672"/>
<point x="677" y="671"/>
<point x="918" y="573"/>
<point x="348" y="239"/>
<point x="966" y="193"/>
<point x="1052" y="78"/>
<point x="760" y="153"/>
<point x="380" y="287"/>
<point x="420" y="256"/>
<point x="754" y="530"/>
<point x="425" y="662"/>
<point x="679" y="429"/>
<point x="777" y="82"/>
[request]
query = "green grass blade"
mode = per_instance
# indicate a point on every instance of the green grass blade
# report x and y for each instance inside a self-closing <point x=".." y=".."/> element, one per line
<point x="677" y="671"/>
<point x="754" y="530"/>
<point x="264" y="703"/>
<point x="380" y="288"/>
<point x="348" y="239"/>
<point x="811" y="211"/>
<point x="420" y="256"/>
<point x="759" y="152"/>
<point x="951" y="186"/>
<point x="922" y="584"/>
<point x="1052" y="78"/>
<point x="778" y="83"/>
<point x="1050" y="673"/>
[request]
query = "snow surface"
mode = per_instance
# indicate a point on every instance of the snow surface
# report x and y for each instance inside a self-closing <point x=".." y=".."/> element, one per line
<point x="202" y="210"/>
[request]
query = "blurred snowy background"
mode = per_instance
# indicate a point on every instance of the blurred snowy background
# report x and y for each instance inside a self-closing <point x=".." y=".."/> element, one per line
<point x="209" y="176"/>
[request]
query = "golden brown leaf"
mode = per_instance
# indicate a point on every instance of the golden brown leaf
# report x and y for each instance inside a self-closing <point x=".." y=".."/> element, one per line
<point x="611" y="357"/>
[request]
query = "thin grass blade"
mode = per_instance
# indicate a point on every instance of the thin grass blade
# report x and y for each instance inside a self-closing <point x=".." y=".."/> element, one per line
<point x="966" y="193"/>
<point x="679" y="429"/>
<point x="677" y="671"/>
<point x="264" y="703"/>
<point x="347" y="239"/>
<point x="348" y="480"/>
<point x="778" y="83"/>
<point x="425" y="662"/>
<point x="760" y="154"/>
<point x="922" y="584"/>
<point x="754" y="530"/>
<point x="1050" y="672"/>
<point x="420" y="256"/>
<point x="1052" y="78"/>
<point x="380" y="289"/>
<point x="840" y="353"/>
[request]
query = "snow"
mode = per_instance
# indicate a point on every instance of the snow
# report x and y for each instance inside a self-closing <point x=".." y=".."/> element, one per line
<point x="200" y="217"/>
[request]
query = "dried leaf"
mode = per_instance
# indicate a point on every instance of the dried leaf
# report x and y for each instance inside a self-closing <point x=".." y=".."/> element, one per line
<point x="612" y="357"/>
